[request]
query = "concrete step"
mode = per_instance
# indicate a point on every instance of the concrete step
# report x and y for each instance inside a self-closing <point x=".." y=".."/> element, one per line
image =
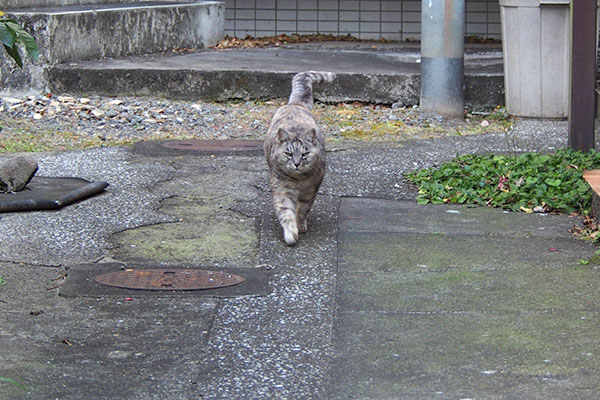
<point x="91" y="31"/>
<point x="387" y="75"/>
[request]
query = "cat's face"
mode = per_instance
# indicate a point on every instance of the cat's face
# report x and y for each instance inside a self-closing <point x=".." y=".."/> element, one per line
<point x="296" y="154"/>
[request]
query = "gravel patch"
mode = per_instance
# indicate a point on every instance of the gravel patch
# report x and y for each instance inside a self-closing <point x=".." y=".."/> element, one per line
<point x="63" y="122"/>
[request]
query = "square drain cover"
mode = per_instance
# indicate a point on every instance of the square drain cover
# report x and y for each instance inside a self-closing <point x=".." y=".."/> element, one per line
<point x="122" y="279"/>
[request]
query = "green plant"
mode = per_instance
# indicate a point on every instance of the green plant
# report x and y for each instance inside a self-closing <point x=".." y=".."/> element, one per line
<point x="13" y="36"/>
<point x="552" y="182"/>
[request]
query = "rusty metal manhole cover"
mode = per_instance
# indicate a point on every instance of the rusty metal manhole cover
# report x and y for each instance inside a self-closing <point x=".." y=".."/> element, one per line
<point x="228" y="145"/>
<point x="169" y="279"/>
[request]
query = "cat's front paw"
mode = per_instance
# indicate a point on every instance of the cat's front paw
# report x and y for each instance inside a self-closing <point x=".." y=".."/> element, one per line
<point x="290" y="236"/>
<point x="302" y="227"/>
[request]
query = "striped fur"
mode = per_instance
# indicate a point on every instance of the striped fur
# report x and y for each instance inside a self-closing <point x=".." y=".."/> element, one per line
<point x="302" y="86"/>
<point x="295" y="152"/>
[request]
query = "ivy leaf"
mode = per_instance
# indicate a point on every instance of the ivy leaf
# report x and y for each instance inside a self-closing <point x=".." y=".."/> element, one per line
<point x="552" y="182"/>
<point x="548" y="179"/>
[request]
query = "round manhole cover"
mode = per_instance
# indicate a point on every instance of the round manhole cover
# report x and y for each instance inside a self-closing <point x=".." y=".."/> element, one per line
<point x="168" y="279"/>
<point x="228" y="145"/>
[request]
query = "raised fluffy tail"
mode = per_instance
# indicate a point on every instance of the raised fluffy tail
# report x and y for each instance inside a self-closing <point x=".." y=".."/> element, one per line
<point x="302" y="86"/>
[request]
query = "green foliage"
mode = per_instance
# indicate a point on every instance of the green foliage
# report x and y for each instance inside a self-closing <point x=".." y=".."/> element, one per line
<point x="13" y="36"/>
<point x="551" y="181"/>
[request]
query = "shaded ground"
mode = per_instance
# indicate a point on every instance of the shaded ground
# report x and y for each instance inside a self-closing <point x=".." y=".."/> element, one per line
<point x="381" y="299"/>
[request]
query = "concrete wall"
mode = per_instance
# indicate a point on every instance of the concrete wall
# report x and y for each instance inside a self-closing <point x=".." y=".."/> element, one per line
<point x="74" y="36"/>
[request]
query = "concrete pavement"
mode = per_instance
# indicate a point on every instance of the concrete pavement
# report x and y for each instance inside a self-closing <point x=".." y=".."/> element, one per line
<point x="382" y="299"/>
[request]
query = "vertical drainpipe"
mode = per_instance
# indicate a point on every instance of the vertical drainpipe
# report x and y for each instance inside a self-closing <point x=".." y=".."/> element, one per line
<point x="442" y="57"/>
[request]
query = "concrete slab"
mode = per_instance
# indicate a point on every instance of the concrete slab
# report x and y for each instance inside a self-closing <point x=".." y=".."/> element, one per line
<point x="463" y="290"/>
<point x="373" y="215"/>
<point x="79" y="233"/>
<point x="97" y="348"/>
<point x="535" y="355"/>
<point x="421" y="253"/>
<point x="472" y="303"/>
<point x="382" y="76"/>
<point x="380" y="299"/>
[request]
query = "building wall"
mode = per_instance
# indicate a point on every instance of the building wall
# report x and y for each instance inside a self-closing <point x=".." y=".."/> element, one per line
<point x="365" y="19"/>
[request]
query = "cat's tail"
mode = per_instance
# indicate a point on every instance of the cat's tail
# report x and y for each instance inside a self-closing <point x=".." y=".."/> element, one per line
<point x="302" y="86"/>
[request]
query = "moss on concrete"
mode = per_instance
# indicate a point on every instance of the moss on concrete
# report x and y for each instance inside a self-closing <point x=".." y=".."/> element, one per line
<point x="205" y="234"/>
<point x="469" y="290"/>
<point x="419" y="355"/>
<point x="433" y="252"/>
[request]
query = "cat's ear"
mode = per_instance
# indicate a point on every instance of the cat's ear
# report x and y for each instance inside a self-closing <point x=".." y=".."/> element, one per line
<point x="282" y="135"/>
<point x="312" y="135"/>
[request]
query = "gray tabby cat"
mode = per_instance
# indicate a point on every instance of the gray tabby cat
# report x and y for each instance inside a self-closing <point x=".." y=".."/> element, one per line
<point x="295" y="152"/>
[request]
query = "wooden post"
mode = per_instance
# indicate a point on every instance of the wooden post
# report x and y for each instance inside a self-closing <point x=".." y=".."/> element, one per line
<point x="582" y="101"/>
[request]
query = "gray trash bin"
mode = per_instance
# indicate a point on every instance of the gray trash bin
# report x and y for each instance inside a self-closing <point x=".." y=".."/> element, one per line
<point x="535" y="43"/>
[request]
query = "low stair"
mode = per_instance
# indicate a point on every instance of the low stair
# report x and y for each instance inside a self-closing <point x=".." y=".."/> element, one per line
<point x="78" y="32"/>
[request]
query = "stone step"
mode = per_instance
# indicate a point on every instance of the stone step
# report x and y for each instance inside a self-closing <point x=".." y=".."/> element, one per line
<point x="70" y="33"/>
<point x="389" y="75"/>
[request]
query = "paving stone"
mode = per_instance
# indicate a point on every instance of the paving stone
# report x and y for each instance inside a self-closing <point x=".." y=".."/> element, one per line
<point x="472" y="303"/>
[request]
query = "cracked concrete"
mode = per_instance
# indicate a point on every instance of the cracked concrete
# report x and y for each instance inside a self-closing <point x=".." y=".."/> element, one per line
<point x="381" y="299"/>
<point x="79" y="233"/>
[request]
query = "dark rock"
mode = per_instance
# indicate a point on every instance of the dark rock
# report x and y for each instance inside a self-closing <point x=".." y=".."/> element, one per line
<point x="16" y="173"/>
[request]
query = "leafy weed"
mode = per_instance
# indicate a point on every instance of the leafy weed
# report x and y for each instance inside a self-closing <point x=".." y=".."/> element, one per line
<point x="551" y="181"/>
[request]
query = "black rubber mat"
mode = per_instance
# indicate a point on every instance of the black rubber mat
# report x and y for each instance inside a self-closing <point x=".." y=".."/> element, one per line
<point x="44" y="193"/>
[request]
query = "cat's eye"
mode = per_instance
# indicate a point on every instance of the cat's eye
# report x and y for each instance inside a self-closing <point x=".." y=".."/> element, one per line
<point x="288" y="154"/>
<point x="305" y="155"/>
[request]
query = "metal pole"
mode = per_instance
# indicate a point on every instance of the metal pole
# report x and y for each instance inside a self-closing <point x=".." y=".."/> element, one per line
<point x="442" y="57"/>
<point x="583" y="75"/>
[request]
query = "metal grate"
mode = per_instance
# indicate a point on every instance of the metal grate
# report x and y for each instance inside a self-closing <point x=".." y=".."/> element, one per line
<point x="169" y="279"/>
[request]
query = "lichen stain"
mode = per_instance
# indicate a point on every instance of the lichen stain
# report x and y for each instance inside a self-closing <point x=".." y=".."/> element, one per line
<point x="204" y="235"/>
